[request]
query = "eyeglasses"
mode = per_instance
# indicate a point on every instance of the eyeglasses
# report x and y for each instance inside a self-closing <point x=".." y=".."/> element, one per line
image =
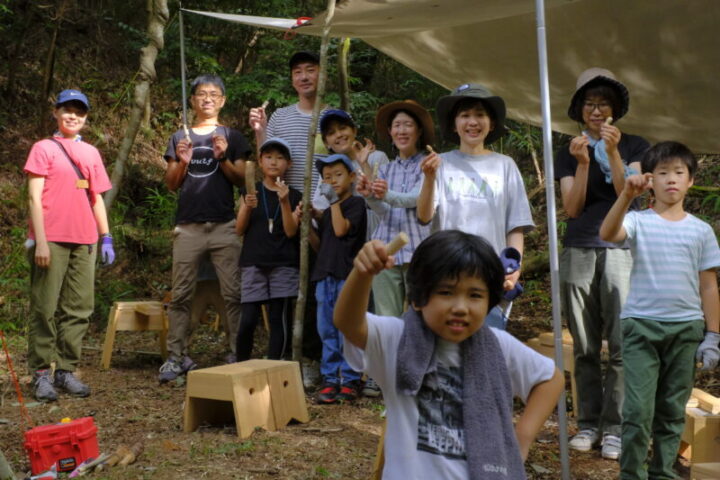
<point x="212" y="95"/>
<point x="603" y="107"/>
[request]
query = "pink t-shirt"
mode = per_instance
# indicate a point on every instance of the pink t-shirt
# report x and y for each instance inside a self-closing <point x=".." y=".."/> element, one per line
<point x="67" y="214"/>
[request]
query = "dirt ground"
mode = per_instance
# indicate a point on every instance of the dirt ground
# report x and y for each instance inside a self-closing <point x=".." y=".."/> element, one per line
<point x="129" y="406"/>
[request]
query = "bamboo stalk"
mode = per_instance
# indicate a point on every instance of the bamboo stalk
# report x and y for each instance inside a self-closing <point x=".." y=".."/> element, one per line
<point x="305" y="224"/>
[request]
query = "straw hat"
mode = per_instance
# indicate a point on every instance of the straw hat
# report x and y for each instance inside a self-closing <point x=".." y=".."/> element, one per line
<point x="384" y="113"/>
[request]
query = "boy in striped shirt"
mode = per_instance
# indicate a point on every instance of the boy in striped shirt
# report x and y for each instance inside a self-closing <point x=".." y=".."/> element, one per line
<point x="673" y="306"/>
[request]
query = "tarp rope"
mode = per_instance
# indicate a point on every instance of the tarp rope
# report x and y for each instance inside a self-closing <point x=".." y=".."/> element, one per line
<point x="24" y="414"/>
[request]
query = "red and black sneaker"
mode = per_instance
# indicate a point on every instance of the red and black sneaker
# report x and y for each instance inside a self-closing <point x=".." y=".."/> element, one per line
<point x="328" y="393"/>
<point x="348" y="392"/>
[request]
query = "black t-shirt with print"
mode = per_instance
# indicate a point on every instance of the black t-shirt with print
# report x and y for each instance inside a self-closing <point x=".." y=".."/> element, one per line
<point x="206" y="194"/>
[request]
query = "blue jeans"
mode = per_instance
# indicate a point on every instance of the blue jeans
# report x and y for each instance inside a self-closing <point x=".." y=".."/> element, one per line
<point x="333" y="366"/>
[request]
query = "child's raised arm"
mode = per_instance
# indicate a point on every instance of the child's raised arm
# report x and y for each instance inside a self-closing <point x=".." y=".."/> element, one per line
<point x="612" y="229"/>
<point x="289" y="220"/>
<point x="426" y="199"/>
<point x="540" y="404"/>
<point x="351" y="305"/>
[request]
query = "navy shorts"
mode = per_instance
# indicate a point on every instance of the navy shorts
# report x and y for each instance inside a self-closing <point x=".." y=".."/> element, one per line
<point x="264" y="283"/>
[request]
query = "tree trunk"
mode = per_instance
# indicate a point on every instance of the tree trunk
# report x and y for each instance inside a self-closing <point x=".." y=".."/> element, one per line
<point x="24" y="20"/>
<point x="343" y="74"/>
<point x="305" y="225"/>
<point x="50" y="60"/>
<point x="246" y="53"/>
<point x="158" y="15"/>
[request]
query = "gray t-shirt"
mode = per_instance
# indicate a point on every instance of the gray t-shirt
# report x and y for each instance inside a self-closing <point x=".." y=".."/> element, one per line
<point x="481" y="194"/>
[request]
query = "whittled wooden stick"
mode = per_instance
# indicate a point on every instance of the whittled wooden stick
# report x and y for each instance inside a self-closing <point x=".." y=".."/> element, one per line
<point x="250" y="177"/>
<point x="400" y="240"/>
<point x="429" y="148"/>
<point x="608" y="121"/>
<point x="265" y="104"/>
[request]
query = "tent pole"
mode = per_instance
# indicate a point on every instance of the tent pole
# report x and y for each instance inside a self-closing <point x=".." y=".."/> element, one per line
<point x="552" y="228"/>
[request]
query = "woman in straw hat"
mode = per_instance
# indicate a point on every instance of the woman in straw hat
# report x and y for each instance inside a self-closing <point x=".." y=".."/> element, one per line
<point x="594" y="275"/>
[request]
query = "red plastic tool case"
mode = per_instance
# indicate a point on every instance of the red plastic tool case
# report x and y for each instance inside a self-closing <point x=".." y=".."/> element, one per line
<point x="65" y="444"/>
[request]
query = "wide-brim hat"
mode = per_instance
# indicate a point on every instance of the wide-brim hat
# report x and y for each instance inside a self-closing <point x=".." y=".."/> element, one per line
<point x="336" y="157"/>
<point x="278" y="143"/>
<point x="382" y="120"/>
<point x="494" y="104"/>
<point x="72" y="95"/>
<point x="593" y="77"/>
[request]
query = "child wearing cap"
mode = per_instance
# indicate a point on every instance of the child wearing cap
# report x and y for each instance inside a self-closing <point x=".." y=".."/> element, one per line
<point x="671" y="318"/>
<point x="475" y="189"/>
<point x="340" y="235"/>
<point x="270" y="254"/>
<point x="66" y="178"/>
<point x="447" y="378"/>
<point x="595" y="274"/>
<point x="339" y="132"/>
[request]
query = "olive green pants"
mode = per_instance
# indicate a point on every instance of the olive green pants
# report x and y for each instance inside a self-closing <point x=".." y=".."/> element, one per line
<point x="62" y="299"/>
<point x="659" y="360"/>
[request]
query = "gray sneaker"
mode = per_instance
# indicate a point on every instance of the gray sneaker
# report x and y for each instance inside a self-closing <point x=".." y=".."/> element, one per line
<point x="173" y="368"/>
<point x="611" y="447"/>
<point x="68" y="382"/>
<point x="371" y="389"/>
<point x="585" y="440"/>
<point x="43" y="387"/>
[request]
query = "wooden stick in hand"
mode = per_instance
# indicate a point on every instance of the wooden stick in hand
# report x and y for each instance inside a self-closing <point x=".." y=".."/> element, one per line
<point x="400" y="240"/>
<point x="250" y="177"/>
<point x="429" y="148"/>
<point x="608" y="121"/>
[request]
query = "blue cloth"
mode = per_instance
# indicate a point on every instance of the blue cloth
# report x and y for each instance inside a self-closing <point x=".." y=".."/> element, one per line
<point x="333" y="366"/>
<point x="601" y="158"/>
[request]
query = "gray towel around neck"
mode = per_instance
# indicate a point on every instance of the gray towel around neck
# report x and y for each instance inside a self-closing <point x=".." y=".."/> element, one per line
<point x="491" y="447"/>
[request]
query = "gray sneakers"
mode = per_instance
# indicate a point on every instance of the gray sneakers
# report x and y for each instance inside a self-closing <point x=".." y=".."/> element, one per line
<point x="67" y="381"/>
<point x="585" y="440"/>
<point x="173" y="368"/>
<point x="371" y="389"/>
<point x="43" y="386"/>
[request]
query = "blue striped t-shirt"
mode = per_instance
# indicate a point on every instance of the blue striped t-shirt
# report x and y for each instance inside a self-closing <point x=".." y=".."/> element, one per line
<point x="668" y="257"/>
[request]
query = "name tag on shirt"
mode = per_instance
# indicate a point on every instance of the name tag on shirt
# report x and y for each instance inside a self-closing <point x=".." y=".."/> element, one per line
<point x="82" y="183"/>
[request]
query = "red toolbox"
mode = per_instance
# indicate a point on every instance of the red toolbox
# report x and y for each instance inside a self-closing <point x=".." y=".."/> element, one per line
<point x="65" y="444"/>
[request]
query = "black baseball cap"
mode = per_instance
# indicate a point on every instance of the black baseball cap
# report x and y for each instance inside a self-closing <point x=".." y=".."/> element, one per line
<point x="304" y="56"/>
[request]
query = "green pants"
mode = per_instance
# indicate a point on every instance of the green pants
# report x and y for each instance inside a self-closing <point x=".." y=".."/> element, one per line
<point x="659" y="360"/>
<point x="389" y="289"/>
<point x="65" y="287"/>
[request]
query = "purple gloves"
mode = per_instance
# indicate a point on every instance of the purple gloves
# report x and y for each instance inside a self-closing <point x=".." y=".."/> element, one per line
<point x="107" y="253"/>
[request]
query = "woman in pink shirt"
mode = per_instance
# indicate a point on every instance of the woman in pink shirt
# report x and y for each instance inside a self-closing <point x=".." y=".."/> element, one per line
<point x="67" y="216"/>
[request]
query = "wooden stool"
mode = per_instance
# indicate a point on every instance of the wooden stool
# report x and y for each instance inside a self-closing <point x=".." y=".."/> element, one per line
<point x="258" y="393"/>
<point x="705" y="471"/>
<point x="135" y="316"/>
<point x="700" y="441"/>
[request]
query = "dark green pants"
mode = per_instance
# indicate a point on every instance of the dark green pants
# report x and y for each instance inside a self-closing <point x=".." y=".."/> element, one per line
<point x="659" y="362"/>
<point x="62" y="298"/>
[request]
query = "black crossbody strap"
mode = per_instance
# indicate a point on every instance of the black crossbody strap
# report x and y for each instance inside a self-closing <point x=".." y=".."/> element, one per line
<point x="74" y="165"/>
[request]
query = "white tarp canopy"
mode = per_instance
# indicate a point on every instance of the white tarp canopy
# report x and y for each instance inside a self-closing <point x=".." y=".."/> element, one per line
<point x="666" y="51"/>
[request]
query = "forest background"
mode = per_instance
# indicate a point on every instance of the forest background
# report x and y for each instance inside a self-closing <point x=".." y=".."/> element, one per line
<point x="95" y="46"/>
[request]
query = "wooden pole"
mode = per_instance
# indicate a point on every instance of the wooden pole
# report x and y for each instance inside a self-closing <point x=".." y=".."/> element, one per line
<point x="343" y="74"/>
<point x="305" y="224"/>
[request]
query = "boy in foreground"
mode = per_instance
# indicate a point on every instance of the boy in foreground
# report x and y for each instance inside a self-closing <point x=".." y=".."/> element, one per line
<point x="673" y="287"/>
<point x="448" y="380"/>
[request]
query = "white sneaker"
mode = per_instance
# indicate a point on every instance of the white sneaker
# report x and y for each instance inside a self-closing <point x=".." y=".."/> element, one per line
<point x="585" y="440"/>
<point x="611" y="447"/>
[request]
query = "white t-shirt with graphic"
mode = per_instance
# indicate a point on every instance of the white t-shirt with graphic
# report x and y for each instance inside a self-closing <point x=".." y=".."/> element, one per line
<point x="425" y="435"/>
<point x="481" y="194"/>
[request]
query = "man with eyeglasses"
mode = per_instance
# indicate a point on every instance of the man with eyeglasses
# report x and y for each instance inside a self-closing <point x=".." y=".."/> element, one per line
<point x="203" y="164"/>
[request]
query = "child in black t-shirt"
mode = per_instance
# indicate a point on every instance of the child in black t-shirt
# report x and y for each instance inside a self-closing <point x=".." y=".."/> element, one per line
<point x="270" y="254"/>
<point x="340" y="236"/>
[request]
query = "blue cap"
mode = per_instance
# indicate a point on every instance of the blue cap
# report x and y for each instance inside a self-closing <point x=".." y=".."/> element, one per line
<point x="72" y="95"/>
<point x="334" y="158"/>
<point x="277" y="142"/>
<point x="331" y="114"/>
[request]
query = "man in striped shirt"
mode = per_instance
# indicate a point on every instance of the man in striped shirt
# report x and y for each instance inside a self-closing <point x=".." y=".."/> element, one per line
<point x="293" y="122"/>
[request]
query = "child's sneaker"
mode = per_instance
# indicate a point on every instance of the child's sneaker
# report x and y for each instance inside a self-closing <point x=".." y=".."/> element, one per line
<point x="585" y="440"/>
<point x="173" y="368"/>
<point x="67" y="381"/>
<point x="371" y="389"/>
<point x="43" y="388"/>
<point x="328" y="393"/>
<point x="348" y="392"/>
<point x="611" y="447"/>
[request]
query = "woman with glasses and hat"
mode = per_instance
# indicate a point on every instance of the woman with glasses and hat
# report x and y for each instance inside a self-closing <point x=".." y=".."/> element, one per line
<point x="473" y="188"/>
<point x="594" y="274"/>
<point x="66" y="178"/>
